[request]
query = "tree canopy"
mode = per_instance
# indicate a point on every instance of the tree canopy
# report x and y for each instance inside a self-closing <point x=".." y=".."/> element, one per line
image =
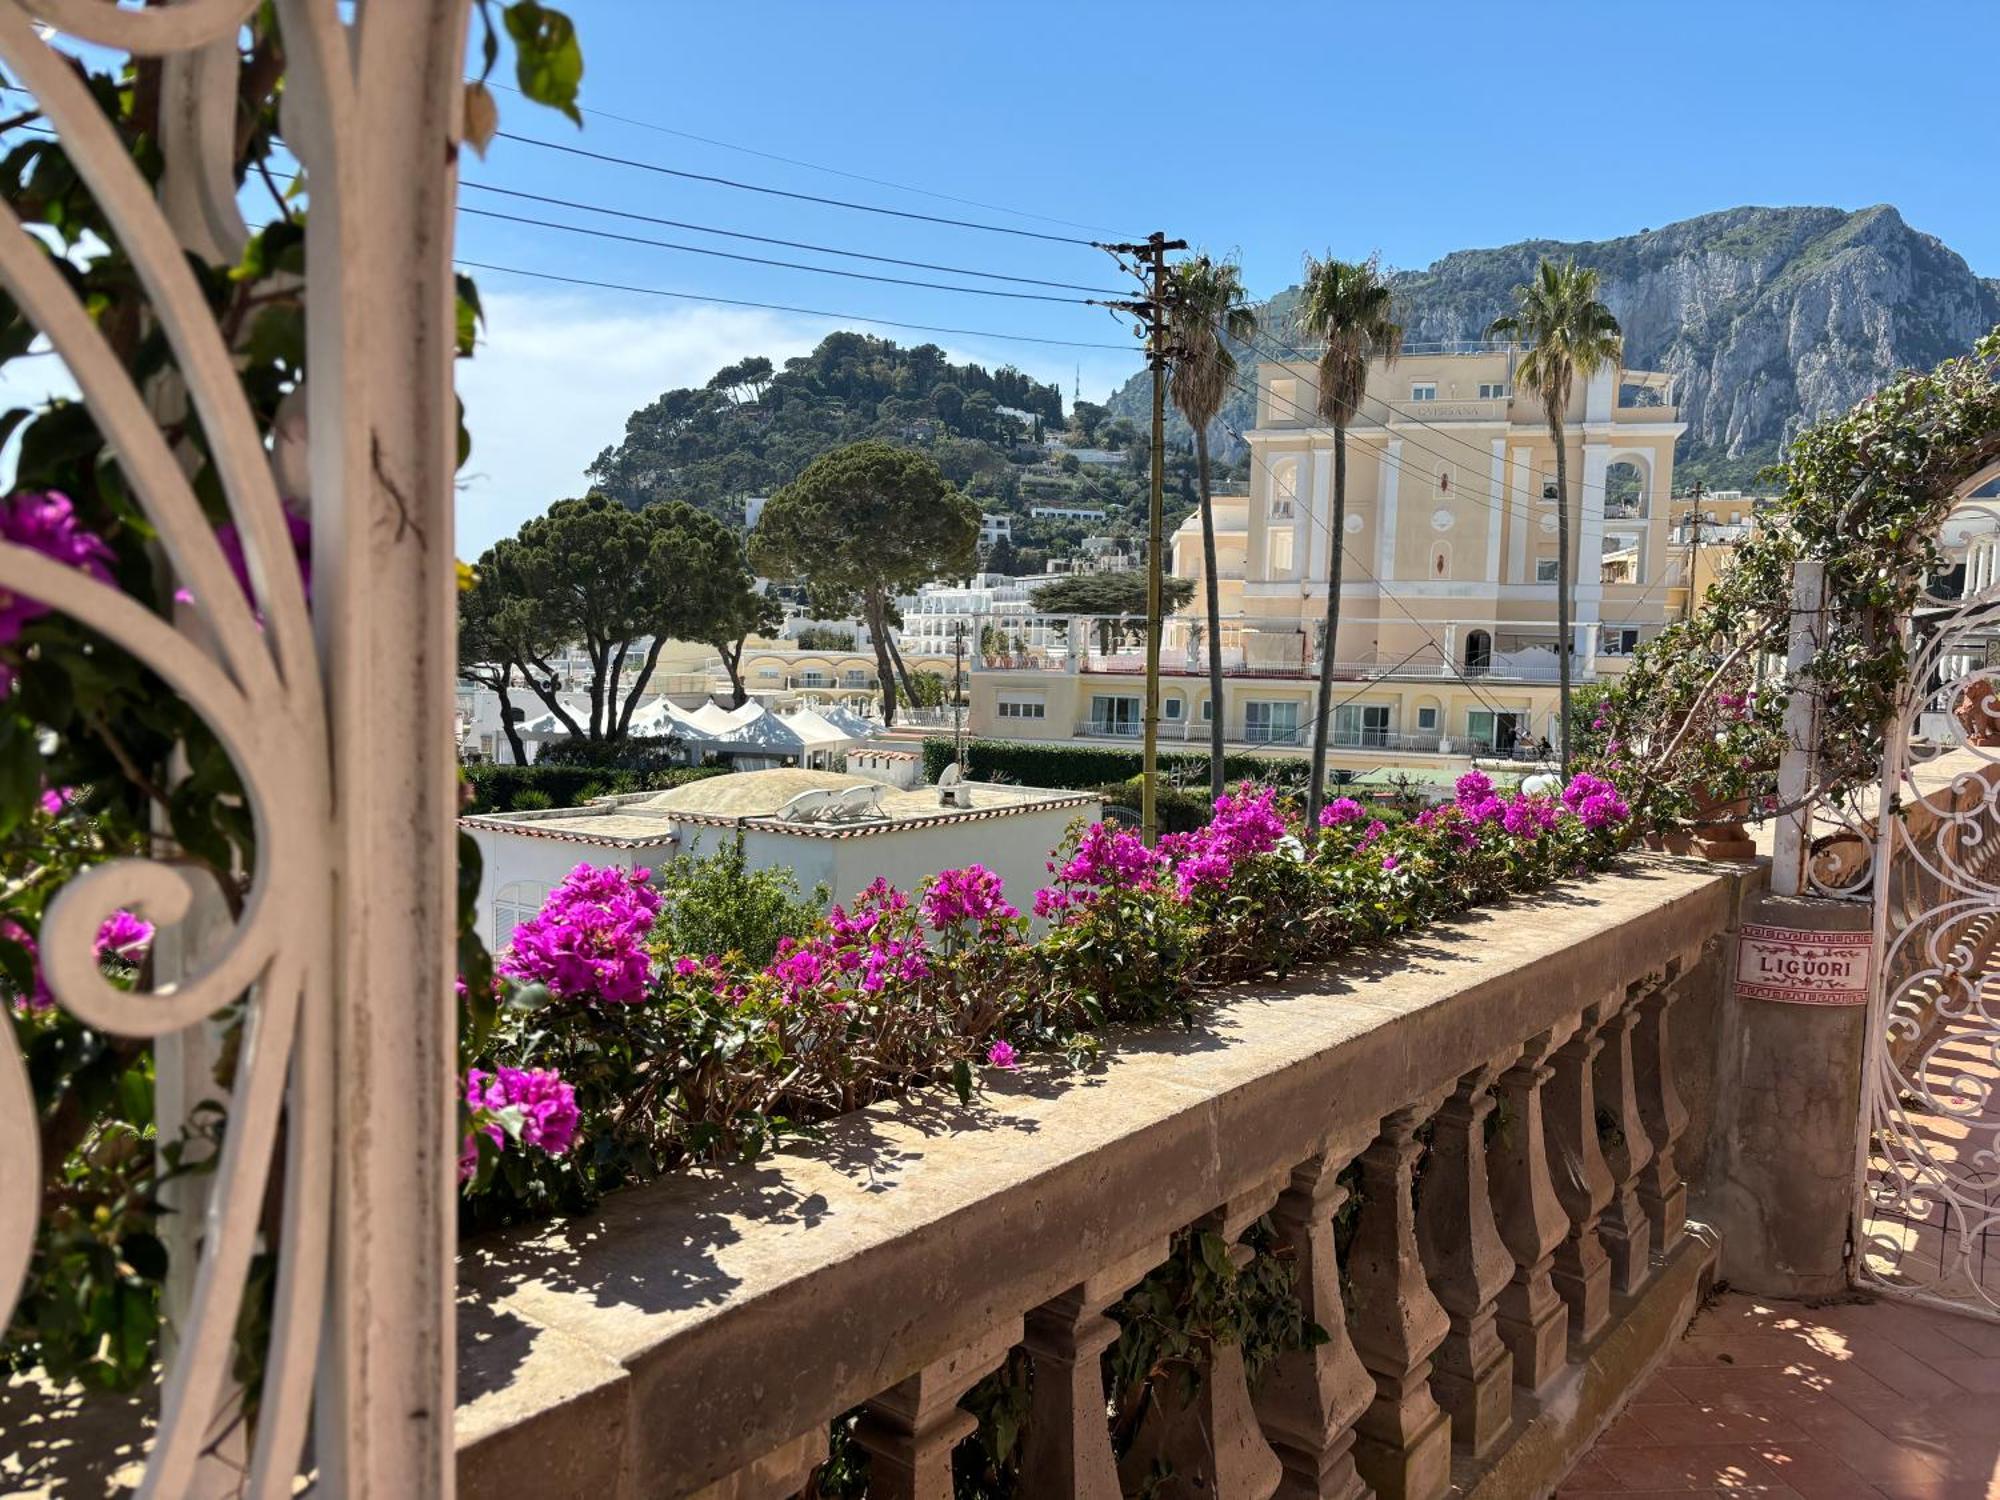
<point x="593" y="574"/>
<point x="863" y="524"/>
<point x="1108" y="594"/>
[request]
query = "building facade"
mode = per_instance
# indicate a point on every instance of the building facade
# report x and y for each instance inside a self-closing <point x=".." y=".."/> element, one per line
<point x="1447" y="643"/>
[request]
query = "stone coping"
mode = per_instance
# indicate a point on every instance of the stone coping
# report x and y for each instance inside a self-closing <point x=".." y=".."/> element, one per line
<point x="688" y="1326"/>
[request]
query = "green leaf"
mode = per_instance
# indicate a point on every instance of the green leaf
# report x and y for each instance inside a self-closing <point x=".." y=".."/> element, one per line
<point x="548" y="63"/>
<point x="961" y="1080"/>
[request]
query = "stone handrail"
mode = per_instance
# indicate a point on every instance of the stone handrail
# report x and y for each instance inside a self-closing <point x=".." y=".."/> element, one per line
<point x="697" y="1336"/>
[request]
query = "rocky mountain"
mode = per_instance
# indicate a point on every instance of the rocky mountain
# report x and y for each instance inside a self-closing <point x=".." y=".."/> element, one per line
<point x="1768" y="318"/>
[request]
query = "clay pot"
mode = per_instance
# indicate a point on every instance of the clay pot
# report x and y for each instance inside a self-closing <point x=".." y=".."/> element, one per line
<point x="1721" y="834"/>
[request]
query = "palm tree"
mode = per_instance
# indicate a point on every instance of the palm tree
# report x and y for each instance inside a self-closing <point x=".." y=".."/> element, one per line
<point x="1571" y="333"/>
<point x="1207" y="309"/>
<point x="1346" y="305"/>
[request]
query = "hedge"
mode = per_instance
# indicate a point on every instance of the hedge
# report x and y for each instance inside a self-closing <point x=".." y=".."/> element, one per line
<point x="1074" y="767"/>
<point x="498" y="788"/>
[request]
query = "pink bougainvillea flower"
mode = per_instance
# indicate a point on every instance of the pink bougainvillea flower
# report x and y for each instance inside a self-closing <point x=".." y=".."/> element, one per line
<point x="124" y="936"/>
<point x="1340" y="811"/>
<point x="45" y="521"/>
<point x="547" y="1106"/>
<point x="588" y="942"/>
<point x="973" y="894"/>
<point x="1002" y="1055"/>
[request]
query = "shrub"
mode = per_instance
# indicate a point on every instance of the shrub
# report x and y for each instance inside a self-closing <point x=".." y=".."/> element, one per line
<point x="501" y="788"/>
<point x="663" y="754"/>
<point x="715" y="904"/>
<point x="1077" y="767"/>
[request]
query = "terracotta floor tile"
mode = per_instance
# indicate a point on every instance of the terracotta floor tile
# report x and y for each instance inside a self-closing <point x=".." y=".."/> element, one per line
<point x="1702" y="1424"/>
<point x="1815" y="1472"/>
<point x="1874" y="1454"/>
<point x="1632" y="1430"/>
<point x="1735" y="1468"/>
<point x="1924" y="1379"/>
<point x="1974" y="1374"/>
<point x="1743" y="1350"/>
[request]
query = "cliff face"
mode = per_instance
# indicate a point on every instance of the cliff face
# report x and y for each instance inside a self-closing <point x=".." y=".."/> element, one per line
<point x="1768" y="318"/>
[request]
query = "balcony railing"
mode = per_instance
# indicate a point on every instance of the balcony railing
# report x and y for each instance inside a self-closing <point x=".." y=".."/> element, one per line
<point x="1386" y="739"/>
<point x="706" y="1331"/>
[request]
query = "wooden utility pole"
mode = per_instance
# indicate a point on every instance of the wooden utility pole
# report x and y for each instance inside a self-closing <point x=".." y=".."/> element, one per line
<point x="1694" y="552"/>
<point x="1152" y="313"/>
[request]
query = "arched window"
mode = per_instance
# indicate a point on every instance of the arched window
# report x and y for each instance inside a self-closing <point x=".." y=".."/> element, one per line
<point x="513" y="904"/>
<point x="1284" y="491"/>
<point x="1478" y="651"/>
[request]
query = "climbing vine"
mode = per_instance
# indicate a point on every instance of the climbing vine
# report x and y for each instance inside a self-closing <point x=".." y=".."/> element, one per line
<point x="1696" y="724"/>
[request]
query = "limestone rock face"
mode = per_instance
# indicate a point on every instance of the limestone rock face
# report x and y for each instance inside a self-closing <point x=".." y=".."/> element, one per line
<point x="1769" y="318"/>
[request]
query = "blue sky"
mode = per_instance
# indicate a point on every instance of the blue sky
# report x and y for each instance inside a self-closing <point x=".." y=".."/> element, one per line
<point x="1397" y="129"/>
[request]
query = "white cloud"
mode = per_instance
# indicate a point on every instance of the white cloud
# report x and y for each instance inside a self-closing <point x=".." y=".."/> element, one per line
<point x="556" y="376"/>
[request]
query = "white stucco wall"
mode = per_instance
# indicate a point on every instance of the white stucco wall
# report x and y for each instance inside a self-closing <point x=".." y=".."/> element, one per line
<point x="519" y="870"/>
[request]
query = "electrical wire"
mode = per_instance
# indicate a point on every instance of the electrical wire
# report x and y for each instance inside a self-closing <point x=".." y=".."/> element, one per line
<point x="753" y="187"/>
<point x="793" y="161"/>
<point x="811" y="312"/>
<point x="787" y="265"/>
<point x="765" y="239"/>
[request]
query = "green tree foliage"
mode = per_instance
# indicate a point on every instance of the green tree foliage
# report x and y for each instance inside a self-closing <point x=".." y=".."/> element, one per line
<point x="861" y="525"/>
<point x="1107" y="594"/>
<point x="1347" y="307"/>
<point x="752" y="429"/>
<point x="1572" y="334"/>
<point x="619" y="583"/>
<point x="717" y="904"/>
<point x="1209" y="308"/>
<point x="825" y="638"/>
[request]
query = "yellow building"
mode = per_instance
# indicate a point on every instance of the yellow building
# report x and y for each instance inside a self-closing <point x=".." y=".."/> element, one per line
<point x="1705" y="532"/>
<point x="1448" y="600"/>
<point x="780" y="670"/>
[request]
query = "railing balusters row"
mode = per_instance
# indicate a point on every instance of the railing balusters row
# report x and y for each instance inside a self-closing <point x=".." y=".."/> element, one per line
<point x="1479" y="1269"/>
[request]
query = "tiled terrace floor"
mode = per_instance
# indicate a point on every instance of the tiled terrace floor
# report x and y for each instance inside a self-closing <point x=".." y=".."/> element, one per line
<point x="1863" y="1398"/>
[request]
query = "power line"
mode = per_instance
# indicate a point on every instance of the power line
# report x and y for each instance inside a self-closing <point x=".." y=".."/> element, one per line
<point x="765" y="239"/>
<point x="793" y="161"/>
<point x="752" y="187"/>
<point x="764" y="260"/>
<point x="811" y="312"/>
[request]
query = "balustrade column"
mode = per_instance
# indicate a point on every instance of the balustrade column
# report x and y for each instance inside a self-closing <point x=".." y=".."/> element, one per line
<point x="1661" y="1190"/>
<point x="1310" y="1399"/>
<point x="1582" y="1271"/>
<point x="1066" y="1449"/>
<point x="1402" y="1443"/>
<point x="1627" y="1232"/>
<point x="1469" y="1266"/>
<point x="1217" y="1435"/>
<point x="1533" y="1320"/>
<point x="910" y="1429"/>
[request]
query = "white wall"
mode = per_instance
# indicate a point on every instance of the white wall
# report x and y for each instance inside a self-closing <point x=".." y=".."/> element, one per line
<point x="518" y="870"/>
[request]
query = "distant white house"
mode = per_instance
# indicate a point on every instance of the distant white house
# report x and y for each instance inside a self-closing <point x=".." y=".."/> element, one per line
<point x="994" y="528"/>
<point x="828" y="829"/>
<point x="1066" y="513"/>
<point x="753" y="510"/>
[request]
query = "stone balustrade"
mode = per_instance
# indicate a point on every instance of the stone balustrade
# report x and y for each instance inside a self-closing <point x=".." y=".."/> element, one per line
<point x="1503" y="1095"/>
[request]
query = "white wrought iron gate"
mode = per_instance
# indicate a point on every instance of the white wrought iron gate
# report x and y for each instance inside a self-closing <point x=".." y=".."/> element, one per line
<point x="1927" y="1172"/>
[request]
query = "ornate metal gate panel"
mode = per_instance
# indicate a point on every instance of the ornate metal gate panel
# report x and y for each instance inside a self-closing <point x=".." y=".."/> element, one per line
<point x="1927" y="1214"/>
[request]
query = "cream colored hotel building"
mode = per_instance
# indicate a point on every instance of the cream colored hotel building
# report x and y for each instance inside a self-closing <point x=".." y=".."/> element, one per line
<point x="1447" y="630"/>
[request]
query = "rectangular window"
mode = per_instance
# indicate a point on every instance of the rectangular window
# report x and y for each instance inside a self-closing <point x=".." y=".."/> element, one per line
<point x="1284" y="400"/>
<point x="1172" y="709"/>
<point x="1549" y="489"/>
<point x="1545" y="569"/>
<point x="1114" y="714"/>
<point x="1492" y="391"/>
<point x="812" y="679"/>
<point x="1423" y="390"/>
<point x="1270" y="723"/>
<point x="1361" y="725"/>
<point x="1280" y="543"/>
<point x="1021" y="708"/>
<point x="1427" y="718"/>
<point x="767" y="673"/>
<point x="1208" y="710"/>
<point x="1495" y="732"/>
<point x="1621" y="640"/>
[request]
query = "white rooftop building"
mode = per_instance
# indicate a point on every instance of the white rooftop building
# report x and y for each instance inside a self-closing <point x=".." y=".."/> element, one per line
<point x="826" y="828"/>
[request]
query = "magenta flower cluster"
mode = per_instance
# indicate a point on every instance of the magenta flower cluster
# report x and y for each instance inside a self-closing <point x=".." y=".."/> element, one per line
<point x="866" y="946"/>
<point x="1595" y="801"/>
<point x="588" y="942"/>
<point x="45" y="521"/>
<point x="1243" y="825"/>
<point x="546" y="1105"/>
<point x="972" y="895"/>
<point x="121" y="938"/>
<point x="1340" y="812"/>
